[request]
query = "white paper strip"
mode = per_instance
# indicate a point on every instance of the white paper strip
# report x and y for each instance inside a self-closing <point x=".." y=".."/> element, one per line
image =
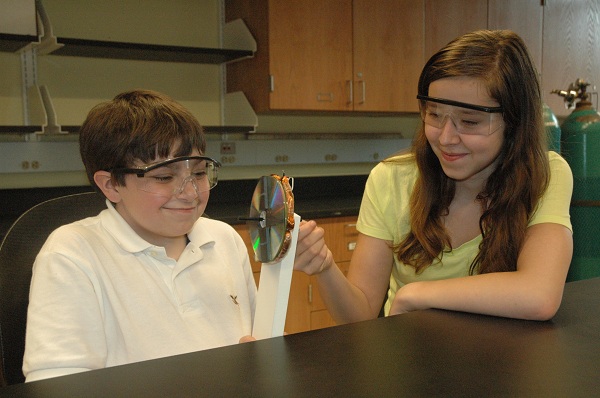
<point x="274" y="292"/>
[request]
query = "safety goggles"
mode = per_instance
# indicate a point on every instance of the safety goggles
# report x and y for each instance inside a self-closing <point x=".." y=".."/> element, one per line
<point x="468" y="119"/>
<point x="170" y="177"/>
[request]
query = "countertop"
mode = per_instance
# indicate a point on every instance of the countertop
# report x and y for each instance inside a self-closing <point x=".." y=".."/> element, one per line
<point x="430" y="353"/>
<point x="314" y="197"/>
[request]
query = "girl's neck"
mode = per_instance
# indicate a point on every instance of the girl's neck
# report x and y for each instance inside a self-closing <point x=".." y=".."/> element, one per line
<point x="468" y="190"/>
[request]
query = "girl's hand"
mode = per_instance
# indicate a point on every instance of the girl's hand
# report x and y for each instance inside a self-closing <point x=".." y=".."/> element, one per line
<point x="312" y="254"/>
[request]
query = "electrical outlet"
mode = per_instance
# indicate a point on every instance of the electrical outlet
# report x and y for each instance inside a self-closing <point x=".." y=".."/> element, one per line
<point x="227" y="148"/>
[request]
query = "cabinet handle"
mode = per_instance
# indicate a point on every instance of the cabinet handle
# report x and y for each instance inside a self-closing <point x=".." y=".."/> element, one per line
<point x="350" y="229"/>
<point x="363" y="94"/>
<point x="325" y="97"/>
<point x="350" y="91"/>
<point x="310" y="293"/>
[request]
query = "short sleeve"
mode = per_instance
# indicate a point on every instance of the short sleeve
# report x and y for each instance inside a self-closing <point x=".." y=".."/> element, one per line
<point x="554" y="205"/>
<point x="385" y="207"/>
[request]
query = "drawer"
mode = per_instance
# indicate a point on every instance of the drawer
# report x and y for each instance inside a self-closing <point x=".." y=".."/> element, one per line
<point x="340" y="236"/>
<point x="314" y="297"/>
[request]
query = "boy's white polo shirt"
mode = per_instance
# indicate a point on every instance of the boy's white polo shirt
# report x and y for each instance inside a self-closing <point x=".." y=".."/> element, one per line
<point x="102" y="296"/>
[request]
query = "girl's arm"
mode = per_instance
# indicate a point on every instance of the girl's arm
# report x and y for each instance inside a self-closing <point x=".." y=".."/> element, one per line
<point x="360" y="295"/>
<point x="534" y="291"/>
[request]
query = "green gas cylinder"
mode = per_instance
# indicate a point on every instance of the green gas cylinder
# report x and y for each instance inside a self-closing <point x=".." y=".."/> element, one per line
<point x="581" y="148"/>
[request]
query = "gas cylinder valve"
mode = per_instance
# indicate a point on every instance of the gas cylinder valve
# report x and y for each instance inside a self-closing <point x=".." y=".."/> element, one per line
<point x="576" y="91"/>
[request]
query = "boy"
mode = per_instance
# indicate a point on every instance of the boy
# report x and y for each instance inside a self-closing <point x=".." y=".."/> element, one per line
<point x="148" y="277"/>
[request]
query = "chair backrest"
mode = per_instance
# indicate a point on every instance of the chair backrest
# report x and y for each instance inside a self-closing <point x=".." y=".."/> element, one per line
<point x="18" y="250"/>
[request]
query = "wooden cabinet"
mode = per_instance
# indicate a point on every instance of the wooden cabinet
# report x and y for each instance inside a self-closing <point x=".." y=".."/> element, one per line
<point x="340" y="235"/>
<point x="303" y="58"/>
<point x="525" y="17"/>
<point x="306" y="310"/>
<point x="446" y="20"/>
<point x="310" y="54"/>
<point x="337" y="55"/>
<point x="387" y="54"/>
<point x="359" y="55"/>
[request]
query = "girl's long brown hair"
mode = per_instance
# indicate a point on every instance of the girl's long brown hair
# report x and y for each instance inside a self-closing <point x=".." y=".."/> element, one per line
<point x="513" y="190"/>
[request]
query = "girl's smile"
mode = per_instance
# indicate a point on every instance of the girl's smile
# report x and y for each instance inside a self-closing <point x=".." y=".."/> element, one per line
<point x="464" y="157"/>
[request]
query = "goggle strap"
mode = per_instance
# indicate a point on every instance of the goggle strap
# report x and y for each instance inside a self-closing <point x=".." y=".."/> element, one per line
<point x="460" y="104"/>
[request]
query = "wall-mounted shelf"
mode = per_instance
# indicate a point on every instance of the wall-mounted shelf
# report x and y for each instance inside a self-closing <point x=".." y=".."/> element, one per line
<point x="147" y="52"/>
<point x="75" y="129"/>
<point x="37" y="100"/>
<point x="130" y="51"/>
<point x="12" y="43"/>
<point x="19" y="129"/>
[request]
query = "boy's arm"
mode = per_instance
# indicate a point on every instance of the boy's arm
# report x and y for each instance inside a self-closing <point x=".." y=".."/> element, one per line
<point x="64" y="323"/>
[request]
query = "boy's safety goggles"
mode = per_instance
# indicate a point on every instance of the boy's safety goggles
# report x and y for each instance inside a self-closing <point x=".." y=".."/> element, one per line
<point x="468" y="119"/>
<point x="170" y="177"/>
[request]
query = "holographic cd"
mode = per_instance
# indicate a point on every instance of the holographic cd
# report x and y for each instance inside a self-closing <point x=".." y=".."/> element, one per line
<point x="271" y="211"/>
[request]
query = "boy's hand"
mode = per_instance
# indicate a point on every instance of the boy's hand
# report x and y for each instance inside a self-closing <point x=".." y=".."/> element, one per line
<point x="247" y="339"/>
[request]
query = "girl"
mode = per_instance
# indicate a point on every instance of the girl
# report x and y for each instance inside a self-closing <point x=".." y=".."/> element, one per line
<point x="476" y="217"/>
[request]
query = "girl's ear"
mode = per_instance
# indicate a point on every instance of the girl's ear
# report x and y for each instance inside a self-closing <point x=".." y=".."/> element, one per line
<point x="103" y="180"/>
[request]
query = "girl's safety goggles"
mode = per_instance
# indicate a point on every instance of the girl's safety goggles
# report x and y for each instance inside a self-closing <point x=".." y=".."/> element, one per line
<point x="468" y="119"/>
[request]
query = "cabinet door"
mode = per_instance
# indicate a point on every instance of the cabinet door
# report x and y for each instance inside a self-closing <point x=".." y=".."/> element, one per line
<point x="321" y="319"/>
<point x="525" y="17"/>
<point x="445" y="20"/>
<point x="319" y="316"/>
<point x="340" y="236"/>
<point x="388" y="54"/>
<point x="310" y="46"/>
<point x="306" y="310"/>
<point x="571" y="48"/>
<point x="298" y="313"/>
<point x="334" y="55"/>
<point x="251" y="76"/>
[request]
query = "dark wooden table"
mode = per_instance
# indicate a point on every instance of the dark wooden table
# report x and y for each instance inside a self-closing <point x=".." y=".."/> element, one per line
<point x="425" y="353"/>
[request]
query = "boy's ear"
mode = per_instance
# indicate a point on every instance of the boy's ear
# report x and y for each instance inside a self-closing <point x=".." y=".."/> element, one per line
<point x="103" y="180"/>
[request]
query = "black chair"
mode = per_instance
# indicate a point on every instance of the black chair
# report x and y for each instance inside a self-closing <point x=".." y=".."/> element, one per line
<point x="18" y="250"/>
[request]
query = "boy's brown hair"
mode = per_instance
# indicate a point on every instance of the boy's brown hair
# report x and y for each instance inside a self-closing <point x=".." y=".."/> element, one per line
<point x="136" y="125"/>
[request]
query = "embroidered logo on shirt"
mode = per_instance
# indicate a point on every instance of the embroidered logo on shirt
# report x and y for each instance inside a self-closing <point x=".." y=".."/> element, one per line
<point x="234" y="299"/>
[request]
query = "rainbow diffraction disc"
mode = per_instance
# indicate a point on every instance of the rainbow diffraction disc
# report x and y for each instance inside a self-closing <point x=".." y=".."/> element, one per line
<point x="271" y="218"/>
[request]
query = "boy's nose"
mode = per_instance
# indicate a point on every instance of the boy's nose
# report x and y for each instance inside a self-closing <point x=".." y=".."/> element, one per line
<point x="184" y="187"/>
